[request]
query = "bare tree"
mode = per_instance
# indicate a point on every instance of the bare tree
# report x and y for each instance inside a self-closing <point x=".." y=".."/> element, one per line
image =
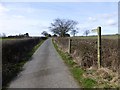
<point x="45" y="33"/>
<point x="27" y="34"/>
<point x="86" y="32"/>
<point x="3" y="35"/>
<point x="62" y="26"/>
<point x="74" y="32"/>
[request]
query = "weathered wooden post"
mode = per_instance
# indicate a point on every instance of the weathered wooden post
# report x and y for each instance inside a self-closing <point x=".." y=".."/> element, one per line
<point x="99" y="46"/>
<point x="69" y="46"/>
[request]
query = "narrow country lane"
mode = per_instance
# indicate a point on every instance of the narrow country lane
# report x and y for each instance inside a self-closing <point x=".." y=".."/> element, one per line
<point x="45" y="70"/>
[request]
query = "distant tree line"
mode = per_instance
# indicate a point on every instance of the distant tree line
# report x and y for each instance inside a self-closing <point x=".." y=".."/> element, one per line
<point x="61" y="28"/>
<point x="46" y="34"/>
<point x="20" y="36"/>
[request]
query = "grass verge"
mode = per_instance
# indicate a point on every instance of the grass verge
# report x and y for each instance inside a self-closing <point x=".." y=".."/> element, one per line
<point x="16" y="68"/>
<point x="34" y="49"/>
<point x="76" y="71"/>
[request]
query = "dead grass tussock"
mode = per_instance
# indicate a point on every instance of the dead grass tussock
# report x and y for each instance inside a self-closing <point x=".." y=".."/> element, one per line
<point x="104" y="77"/>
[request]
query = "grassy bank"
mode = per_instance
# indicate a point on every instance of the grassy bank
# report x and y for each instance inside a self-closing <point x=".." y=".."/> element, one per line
<point x="76" y="71"/>
<point x="35" y="48"/>
<point x="12" y="69"/>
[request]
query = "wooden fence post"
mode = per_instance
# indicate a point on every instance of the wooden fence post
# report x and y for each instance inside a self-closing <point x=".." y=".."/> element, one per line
<point x="99" y="46"/>
<point x="69" y="46"/>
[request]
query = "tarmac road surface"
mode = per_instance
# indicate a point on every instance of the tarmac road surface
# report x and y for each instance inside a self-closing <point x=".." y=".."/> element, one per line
<point x="46" y="69"/>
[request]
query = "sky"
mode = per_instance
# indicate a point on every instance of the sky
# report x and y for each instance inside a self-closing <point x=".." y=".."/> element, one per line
<point x="35" y="17"/>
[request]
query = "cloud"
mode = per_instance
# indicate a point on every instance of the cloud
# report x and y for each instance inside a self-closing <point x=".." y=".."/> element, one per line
<point x="22" y="18"/>
<point x="108" y="15"/>
<point x="108" y="19"/>
<point x="18" y="20"/>
<point x="92" y="19"/>
<point x="3" y="9"/>
<point x="111" y="22"/>
<point x="105" y="19"/>
<point x="18" y="16"/>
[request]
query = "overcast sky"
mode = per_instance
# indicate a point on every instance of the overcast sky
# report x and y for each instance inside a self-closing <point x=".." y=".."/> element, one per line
<point x="35" y="17"/>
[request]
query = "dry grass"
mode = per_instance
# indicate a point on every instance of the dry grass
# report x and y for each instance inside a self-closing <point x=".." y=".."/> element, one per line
<point x="105" y="77"/>
<point x="84" y="53"/>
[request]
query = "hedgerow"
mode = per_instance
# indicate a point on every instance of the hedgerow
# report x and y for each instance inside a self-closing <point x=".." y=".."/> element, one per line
<point x="14" y="54"/>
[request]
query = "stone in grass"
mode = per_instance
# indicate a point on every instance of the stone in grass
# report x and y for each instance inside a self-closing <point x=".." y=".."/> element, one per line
<point x="92" y="68"/>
